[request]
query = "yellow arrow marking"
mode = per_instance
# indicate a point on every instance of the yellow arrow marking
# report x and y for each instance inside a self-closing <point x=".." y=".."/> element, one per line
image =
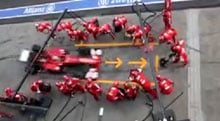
<point x="117" y="63"/>
<point x="111" y="44"/>
<point x="157" y="63"/>
<point x="143" y="62"/>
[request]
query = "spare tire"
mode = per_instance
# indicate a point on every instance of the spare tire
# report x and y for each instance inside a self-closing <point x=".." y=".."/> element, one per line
<point x="36" y="48"/>
<point x="170" y="116"/>
<point x="163" y="62"/>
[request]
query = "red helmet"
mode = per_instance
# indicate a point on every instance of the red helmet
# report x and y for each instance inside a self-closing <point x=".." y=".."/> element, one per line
<point x="123" y="20"/>
<point x="68" y="25"/>
<point x="138" y="34"/>
<point x="58" y="84"/>
<point x="9" y="92"/>
<point x="85" y="24"/>
<point x="147" y="28"/>
<point x="133" y="74"/>
<point x="69" y="83"/>
<point x="94" y="20"/>
<point x="171" y="32"/>
<point x="126" y="85"/>
<point x="39" y="81"/>
<point x="115" y="84"/>
<point x="131" y="29"/>
<point x="105" y="28"/>
<point x="65" y="77"/>
<point x="176" y="48"/>
<point x="159" y="77"/>
<point x="181" y="43"/>
<point x="117" y="23"/>
<point x="89" y="80"/>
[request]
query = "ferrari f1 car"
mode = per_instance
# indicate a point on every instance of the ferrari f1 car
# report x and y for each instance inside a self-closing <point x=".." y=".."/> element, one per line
<point x="59" y="60"/>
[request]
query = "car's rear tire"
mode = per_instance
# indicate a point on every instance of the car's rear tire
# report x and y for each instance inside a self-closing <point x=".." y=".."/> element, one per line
<point x="78" y="70"/>
<point x="33" y="70"/>
<point x="83" y="51"/>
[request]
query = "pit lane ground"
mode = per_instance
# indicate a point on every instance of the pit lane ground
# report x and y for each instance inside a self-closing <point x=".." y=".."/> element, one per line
<point x="16" y="37"/>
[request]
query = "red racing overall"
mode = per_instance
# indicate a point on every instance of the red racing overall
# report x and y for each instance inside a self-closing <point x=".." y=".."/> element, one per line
<point x="180" y="53"/>
<point x="165" y="85"/>
<point x="40" y="87"/>
<point x="94" y="89"/>
<point x="18" y="97"/>
<point x="131" y="91"/>
<point x="44" y="27"/>
<point x="137" y="75"/>
<point x="114" y="93"/>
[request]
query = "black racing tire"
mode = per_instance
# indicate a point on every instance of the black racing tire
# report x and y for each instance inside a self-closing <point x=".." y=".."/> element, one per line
<point x="35" y="48"/>
<point x="170" y="116"/>
<point x="78" y="70"/>
<point x="34" y="102"/>
<point x="84" y="51"/>
<point x="185" y="120"/>
<point x="171" y="55"/>
<point x="97" y="23"/>
<point x="31" y="57"/>
<point x="73" y="72"/>
<point x="118" y="29"/>
<point x="163" y="62"/>
<point x="46" y="87"/>
<point x="33" y="70"/>
<point x="122" y="90"/>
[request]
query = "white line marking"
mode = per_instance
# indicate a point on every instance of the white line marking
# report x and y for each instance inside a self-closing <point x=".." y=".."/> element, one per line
<point x="194" y="80"/>
<point x="101" y="111"/>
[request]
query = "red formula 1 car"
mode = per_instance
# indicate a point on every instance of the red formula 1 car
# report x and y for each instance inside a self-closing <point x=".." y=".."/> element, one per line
<point x="56" y="59"/>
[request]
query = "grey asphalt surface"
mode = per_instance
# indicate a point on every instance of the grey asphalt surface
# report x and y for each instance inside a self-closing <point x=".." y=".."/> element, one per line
<point x="209" y="36"/>
<point x="15" y="37"/>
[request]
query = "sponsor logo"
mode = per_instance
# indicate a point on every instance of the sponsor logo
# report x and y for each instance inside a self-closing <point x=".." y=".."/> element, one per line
<point x="50" y="8"/>
<point x="33" y="10"/>
<point x="124" y="1"/>
<point x="103" y="2"/>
